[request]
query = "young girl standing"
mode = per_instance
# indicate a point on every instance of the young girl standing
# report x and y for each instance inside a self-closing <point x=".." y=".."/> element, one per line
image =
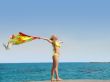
<point x="56" y="49"/>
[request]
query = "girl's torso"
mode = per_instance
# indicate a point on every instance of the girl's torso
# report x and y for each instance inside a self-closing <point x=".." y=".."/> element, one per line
<point x="56" y="46"/>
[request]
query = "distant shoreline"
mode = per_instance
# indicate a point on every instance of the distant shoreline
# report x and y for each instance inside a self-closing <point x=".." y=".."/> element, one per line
<point x="46" y="62"/>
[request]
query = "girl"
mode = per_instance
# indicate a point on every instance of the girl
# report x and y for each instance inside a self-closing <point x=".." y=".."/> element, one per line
<point x="56" y="46"/>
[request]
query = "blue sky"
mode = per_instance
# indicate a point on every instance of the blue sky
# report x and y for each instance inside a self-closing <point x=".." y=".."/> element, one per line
<point x="83" y="26"/>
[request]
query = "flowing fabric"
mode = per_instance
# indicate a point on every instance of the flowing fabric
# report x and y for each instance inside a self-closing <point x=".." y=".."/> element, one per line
<point x="19" y="38"/>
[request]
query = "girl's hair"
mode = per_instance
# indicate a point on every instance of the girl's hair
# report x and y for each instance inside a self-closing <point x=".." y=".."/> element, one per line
<point x="53" y="38"/>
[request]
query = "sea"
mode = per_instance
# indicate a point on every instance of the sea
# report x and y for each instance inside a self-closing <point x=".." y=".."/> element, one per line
<point x="25" y="72"/>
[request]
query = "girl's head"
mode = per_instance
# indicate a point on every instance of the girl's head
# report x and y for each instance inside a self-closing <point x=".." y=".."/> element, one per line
<point x="53" y="38"/>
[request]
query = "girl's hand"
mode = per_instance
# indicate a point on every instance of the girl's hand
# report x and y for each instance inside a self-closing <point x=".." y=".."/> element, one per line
<point x="61" y="41"/>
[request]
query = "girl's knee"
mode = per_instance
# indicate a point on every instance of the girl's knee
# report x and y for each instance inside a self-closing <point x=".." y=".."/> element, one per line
<point x="55" y="67"/>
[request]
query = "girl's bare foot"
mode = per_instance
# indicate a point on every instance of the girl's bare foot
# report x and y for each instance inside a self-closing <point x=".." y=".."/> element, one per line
<point x="53" y="79"/>
<point x="58" y="79"/>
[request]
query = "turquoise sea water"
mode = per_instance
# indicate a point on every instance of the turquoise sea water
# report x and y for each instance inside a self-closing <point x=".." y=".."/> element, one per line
<point x="22" y="72"/>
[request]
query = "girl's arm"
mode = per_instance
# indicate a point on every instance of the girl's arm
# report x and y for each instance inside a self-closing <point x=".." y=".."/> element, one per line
<point x="46" y="39"/>
<point x="60" y="41"/>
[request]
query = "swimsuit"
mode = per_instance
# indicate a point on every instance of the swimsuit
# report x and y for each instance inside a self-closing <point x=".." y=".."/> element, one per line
<point x="56" y="44"/>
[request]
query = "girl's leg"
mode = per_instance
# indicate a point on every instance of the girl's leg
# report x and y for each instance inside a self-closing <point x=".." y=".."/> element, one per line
<point x="56" y="67"/>
<point x="56" y="58"/>
<point x="53" y="69"/>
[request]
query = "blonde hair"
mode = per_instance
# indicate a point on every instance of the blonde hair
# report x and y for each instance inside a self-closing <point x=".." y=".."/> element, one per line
<point x="53" y="38"/>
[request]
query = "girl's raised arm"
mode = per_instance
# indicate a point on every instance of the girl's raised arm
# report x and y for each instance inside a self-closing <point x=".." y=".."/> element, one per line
<point x="60" y="41"/>
<point x="46" y="39"/>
